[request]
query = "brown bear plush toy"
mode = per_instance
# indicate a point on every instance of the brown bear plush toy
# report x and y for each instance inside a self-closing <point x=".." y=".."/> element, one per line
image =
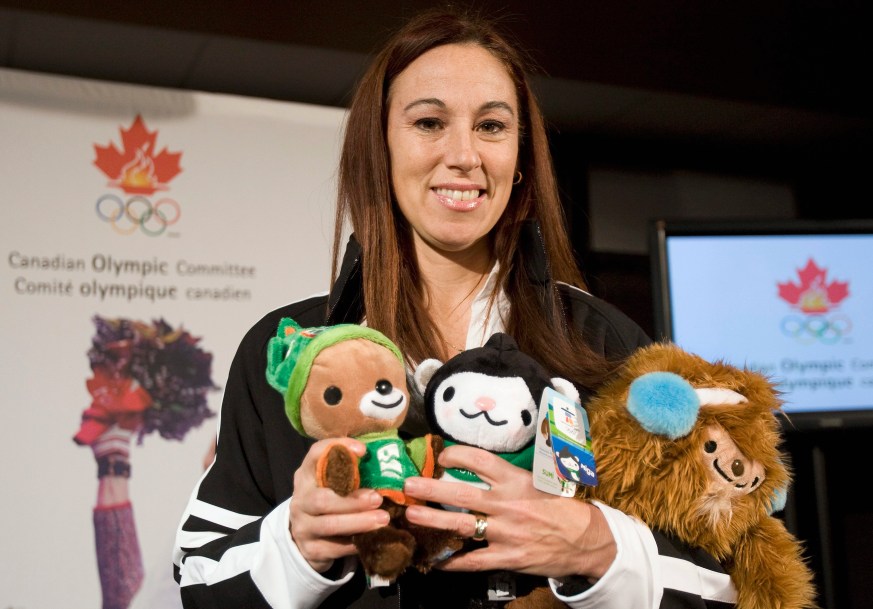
<point x="350" y="380"/>
<point x="691" y="448"/>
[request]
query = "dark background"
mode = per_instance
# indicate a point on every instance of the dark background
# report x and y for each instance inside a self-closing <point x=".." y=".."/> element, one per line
<point x="772" y="90"/>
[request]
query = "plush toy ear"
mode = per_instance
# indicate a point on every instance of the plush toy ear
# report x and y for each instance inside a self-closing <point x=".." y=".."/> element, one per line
<point x="778" y="500"/>
<point x="663" y="403"/>
<point x="566" y="388"/>
<point x="424" y="372"/>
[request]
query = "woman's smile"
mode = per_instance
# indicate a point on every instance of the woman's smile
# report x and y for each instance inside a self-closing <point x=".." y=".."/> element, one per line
<point x="453" y="134"/>
<point x="458" y="199"/>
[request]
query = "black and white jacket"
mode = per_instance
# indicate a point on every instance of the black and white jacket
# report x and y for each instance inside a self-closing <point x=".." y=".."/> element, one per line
<point x="233" y="546"/>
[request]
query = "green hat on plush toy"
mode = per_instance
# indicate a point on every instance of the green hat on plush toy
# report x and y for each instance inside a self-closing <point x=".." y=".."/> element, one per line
<point x="291" y="352"/>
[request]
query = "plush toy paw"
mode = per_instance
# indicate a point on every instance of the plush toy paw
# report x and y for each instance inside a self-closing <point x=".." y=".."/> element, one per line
<point x="434" y="546"/>
<point x="539" y="598"/>
<point x="385" y="552"/>
<point x="337" y="469"/>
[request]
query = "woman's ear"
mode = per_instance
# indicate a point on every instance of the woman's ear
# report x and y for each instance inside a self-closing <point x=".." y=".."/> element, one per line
<point x="424" y="372"/>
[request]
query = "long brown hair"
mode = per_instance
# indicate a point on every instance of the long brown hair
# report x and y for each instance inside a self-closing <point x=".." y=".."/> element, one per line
<point x="393" y="297"/>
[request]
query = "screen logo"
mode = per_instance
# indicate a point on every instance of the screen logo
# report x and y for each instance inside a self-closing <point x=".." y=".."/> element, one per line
<point x="815" y="298"/>
<point x="138" y="170"/>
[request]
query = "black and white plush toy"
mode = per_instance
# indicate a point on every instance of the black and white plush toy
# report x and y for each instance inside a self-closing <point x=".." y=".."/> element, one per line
<point x="487" y="397"/>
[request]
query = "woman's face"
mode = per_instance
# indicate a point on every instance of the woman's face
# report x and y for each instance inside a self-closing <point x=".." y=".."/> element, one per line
<point x="453" y="129"/>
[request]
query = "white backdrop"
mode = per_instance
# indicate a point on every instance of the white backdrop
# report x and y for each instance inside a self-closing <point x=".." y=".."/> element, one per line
<point x="255" y="192"/>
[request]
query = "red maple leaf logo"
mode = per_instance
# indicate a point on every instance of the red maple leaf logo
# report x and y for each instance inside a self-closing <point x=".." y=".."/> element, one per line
<point x="136" y="169"/>
<point x="814" y="294"/>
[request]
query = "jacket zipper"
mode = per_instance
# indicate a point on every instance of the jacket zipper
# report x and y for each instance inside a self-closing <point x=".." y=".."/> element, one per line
<point x="344" y="277"/>
<point x="551" y="286"/>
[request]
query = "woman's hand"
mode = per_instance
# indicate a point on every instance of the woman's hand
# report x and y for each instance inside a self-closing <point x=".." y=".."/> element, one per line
<point x="322" y="522"/>
<point x="528" y="531"/>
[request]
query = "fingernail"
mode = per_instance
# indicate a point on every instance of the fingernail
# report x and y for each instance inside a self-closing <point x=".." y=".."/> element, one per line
<point x="412" y="485"/>
<point x="375" y="499"/>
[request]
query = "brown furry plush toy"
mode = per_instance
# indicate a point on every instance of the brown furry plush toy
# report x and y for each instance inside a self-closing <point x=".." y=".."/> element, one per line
<point x="349" y="380"/>
<point x="691" y="448"/>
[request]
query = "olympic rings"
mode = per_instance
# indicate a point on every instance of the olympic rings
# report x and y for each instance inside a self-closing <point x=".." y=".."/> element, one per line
<point x="153" y="220"/>
<point x="816" y="328"/>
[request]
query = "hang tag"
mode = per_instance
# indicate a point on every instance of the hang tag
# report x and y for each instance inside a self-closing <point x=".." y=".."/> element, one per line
<point x="571" y="439"/>
<point x="501" y="586"/>
<point x="377" y="581"/>
<point x="545" y="476"/>
<point x="562" y="456"/>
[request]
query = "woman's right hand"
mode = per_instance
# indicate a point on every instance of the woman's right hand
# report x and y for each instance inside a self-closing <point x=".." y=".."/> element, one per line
<point x="322" y="522"/>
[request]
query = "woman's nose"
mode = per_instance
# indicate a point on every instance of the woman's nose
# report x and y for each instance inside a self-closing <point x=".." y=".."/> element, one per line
<point x="462" y="152"/>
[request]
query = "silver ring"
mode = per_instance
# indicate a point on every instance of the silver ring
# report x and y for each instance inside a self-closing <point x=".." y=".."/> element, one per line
<point x="481" y="526"/>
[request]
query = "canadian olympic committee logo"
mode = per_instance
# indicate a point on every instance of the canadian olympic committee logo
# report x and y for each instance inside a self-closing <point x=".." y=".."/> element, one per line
<point x="140" y="172"/>
<point x="816" y="299"/>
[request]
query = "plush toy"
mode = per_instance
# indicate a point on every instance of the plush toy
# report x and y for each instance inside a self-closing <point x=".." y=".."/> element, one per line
<point x="489" y="397"/>
<point x="691" y="448"/>
<point x="350" y="380"/>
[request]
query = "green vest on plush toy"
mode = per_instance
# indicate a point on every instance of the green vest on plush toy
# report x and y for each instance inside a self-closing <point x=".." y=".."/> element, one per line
<point x="350" y="380"/>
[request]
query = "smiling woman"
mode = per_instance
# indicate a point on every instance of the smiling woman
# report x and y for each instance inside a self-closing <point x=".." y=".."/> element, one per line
<point x="453" y="140"/>
<point x="453" y="143"/>
<point x="449" y="247"/>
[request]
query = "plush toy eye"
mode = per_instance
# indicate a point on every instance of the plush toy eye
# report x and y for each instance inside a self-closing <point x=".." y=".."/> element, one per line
<point x="710" y="446"/>
<point x="737" y="467"/>
<point x="448" y="394"/>
<point x="384" y="387"/>
<point x="526" y="418"/>
<point x="333" y="395"/>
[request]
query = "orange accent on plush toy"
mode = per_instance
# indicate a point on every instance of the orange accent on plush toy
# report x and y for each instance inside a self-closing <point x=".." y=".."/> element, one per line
<point x="427" y="468"/>
<point x="398" y="497"/>
<point x="321" y="469"/>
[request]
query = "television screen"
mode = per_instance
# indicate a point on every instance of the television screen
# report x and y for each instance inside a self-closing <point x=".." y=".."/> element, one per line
<point x="792" y="299"/>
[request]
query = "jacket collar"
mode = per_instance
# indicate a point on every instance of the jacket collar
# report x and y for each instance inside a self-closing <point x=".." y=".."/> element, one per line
<point x="346" y="304"/>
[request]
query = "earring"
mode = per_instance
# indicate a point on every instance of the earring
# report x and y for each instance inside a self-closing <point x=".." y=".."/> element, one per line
<point x="518" y="178"/>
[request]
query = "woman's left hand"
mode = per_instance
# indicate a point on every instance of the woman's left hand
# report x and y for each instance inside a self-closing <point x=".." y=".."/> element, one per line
<point x="528" y="531"/>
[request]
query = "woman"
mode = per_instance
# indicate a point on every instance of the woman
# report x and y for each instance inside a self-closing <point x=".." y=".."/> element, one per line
<point x="447" y="181"/>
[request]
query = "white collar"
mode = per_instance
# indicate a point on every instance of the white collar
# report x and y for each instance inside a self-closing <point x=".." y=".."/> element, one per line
<point x="485" y="320"/>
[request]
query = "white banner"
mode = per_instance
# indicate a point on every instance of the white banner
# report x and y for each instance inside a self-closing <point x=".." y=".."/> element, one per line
<point x="142" y="204"/>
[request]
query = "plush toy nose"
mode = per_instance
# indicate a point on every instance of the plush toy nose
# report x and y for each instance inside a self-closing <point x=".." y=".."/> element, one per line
<point x="384" y="387"/>
<point x="485" y="403"/>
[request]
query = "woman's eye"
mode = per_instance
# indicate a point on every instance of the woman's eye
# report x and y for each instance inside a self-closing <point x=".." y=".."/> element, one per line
<point x="428" y="124"/>
<point x="492" y="127"/>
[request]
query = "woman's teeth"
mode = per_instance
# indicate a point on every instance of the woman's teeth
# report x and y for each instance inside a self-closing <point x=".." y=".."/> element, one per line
<point x="458" y="195"/>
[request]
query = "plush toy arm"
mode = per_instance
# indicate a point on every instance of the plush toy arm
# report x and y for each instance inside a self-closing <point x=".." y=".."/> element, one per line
<point x="769" y="570"/>
<point x="424" y="452"/>
<point x="337" y="469"/>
